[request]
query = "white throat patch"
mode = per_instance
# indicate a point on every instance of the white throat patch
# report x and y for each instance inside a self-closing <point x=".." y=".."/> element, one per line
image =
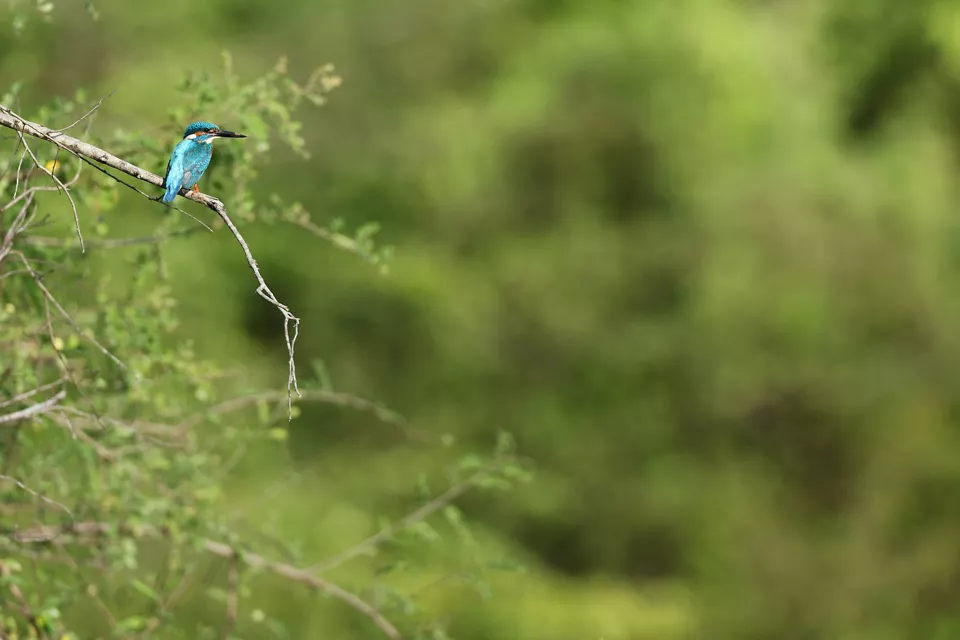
<point x="193" y="136"/>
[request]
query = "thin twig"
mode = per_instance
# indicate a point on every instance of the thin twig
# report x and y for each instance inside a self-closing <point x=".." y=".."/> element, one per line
<point x="102" y="451"/>
<point x="420" y="514"/>
<point x="137" y="426"/>
<point x="43" y="533"/>
<point x="87" y="151"/>
<point x="66" y="370"/>
<point x="27" y="394"/>
<point x="23" y="155"/>
<point x="233" y="582"/>
<point x="39" y="495"/>
<point x="113" y="243"/>
<point x="88" y="113"/>
<point x="305" y="577"/>
<point x="56" y="180"/>
<point x="33" y="410"/>
<point x="145" y="195"/>
<point x="20" y="222"/>
<point x="83" y="578"/>
<point x="309" y="395"/>
<point x="46" y="292"/>
<point x="25" y="609"/>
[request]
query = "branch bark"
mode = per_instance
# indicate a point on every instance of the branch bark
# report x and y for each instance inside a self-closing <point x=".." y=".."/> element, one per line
<point x="34" y="410"/>
<point x="23" y="605"/>
<point x="233" y="583"/>
<point x="223" y="550"/>
<point x="90" y="154"/>
<point x="414" y="517"/>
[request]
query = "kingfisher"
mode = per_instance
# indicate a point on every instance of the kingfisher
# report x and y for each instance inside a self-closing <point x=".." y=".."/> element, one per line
<point x="191" y="157"/>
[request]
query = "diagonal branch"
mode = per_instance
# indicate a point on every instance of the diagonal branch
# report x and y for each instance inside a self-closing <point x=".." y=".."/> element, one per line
<point x="233" y="581"/>
<point x="299" y="575"/>
<point x="46" y="533"/>
<point x="113" y="243"/>
<point x="414" y="517"/>
<point x="38" y="280"/>
<point x="315" y="395"/>
<point x="25" y="609"/>
<point x="34" y="410"/>
<point x="60" y="186"/>
<point x="20" y="397"/>
<point x="37" y="494"/>
<point x="88" y="152"/>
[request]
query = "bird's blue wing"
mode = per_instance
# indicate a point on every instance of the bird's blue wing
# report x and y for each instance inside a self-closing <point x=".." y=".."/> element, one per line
<point x="173" y="179"/>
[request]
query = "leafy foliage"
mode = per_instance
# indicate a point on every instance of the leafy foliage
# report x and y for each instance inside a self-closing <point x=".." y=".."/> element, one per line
<point x="112" y="480"/>
<point x="699" y="257"/>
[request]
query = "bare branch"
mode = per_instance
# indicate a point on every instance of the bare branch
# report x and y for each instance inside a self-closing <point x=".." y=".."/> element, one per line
<point x="49" y="296"/>
<point x="33" y="410"/>
<point x="19" y="223"/>
<point x="60" y="185"/>
<point x="23" y="155"/>
<point x="88" y="113"/>
<point x="305" y="577"/>
<point x="28" y="394"/>
<point x="42" y="497"/>
<point x="102" y="451"/>
<point x="314" y="395"/>
<point x="419" y="515"/>
<point x="113" y="243"/>
<point x="139" y="426"/>
<point x="301" y="576"/>
<point x="86" y="151"/>
<point x="233" y="581"/>
<point x="22" y="603"/>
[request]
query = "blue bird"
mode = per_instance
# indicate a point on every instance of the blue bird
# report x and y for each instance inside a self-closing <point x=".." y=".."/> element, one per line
<point x="191" y="157"/>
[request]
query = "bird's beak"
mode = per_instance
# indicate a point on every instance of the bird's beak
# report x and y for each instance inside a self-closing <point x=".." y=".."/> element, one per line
<point x="228" y="134"/>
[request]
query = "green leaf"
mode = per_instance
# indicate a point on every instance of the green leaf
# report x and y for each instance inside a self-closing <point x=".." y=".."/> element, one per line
<point x="132" y="623"/>
<point x="145" y="589"/>
<point x="506" y="564"/>
<point x="390" y="567"/>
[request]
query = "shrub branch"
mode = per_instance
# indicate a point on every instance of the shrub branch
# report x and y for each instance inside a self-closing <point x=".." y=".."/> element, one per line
<point x="97" y="529"/>
<point x="91" y="155"/>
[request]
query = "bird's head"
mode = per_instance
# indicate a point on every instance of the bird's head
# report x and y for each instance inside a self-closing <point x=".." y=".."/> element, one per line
<point x="206" y="132"/>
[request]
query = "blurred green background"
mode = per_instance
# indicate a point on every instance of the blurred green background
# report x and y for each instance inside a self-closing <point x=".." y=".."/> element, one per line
<point x="701" y="257"/>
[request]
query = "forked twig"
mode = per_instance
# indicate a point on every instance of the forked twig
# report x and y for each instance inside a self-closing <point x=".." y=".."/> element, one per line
<point x="25" y="609"/>
<point x="34" y="410"/>
<point x="419" y="515"/>
<point x="63" y="312"/>
<point x="223" y="550"/>
<point x="56" y="181"/>
<point x="88" y="152"/>
<point x="20" y="397"/>
<point x="42" y="497"/>
<point x="233" y="583"/>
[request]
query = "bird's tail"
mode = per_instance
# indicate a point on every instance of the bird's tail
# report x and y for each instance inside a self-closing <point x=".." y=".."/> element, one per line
<point x="171" y="192"/>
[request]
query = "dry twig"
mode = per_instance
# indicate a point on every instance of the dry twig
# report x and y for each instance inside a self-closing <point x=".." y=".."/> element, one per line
<point x="233" y="583"/>
<point x="35" y="409"/>
<point x="63" y="312"/>
<point x="311" y="395"/>
<point x="91" y="155"/>
<point x="414" y="517"/>
<point x="22" y="603"/>
<point x="42" y="497"/>
<point x="96" y="529"/>
<point x="29" y="394"/>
